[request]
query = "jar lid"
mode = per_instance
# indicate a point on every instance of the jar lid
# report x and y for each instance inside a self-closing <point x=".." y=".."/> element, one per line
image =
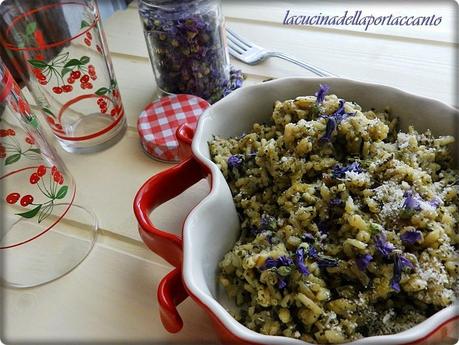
<point x="159" y="121"/>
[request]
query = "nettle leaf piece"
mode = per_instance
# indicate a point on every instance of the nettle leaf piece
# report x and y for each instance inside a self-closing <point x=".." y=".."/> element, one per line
<point x="102" y="91"/>
<point x="62" y="192"/>
<point x="12" y="159"/>
<point x="38" y="63"/>
<point x="31" y="213"/>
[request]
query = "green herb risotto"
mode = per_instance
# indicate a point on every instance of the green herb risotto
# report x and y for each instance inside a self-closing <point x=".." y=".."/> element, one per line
<point x="348" y="227"/>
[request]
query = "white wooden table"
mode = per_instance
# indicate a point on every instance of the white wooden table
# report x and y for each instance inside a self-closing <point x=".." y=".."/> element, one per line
<point x="111" y="296"/>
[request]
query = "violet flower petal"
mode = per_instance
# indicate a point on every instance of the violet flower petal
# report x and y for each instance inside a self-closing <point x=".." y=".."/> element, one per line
<point x="270" y="263"/>
<point x="412" y="201"/>
<point x="299" y="261"/>
<point x="234" y="161"/>
<point x="329" y="129"/>
<point x="307" y="237"/>
<point x="383" y="247"/>
<point x="285" y="261"/>
<point x="281" y="283"/>
<point x="323" y="90"/>
<point x="335" y="202"/>
<point x="340" y="171"/>
<point x="400" y="262"/>
<point x="363" y="261"/>
<point x="411" y="237"/>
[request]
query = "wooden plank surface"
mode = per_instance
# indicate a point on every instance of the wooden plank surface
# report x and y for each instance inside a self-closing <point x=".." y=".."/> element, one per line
<point x="111" y="297"/>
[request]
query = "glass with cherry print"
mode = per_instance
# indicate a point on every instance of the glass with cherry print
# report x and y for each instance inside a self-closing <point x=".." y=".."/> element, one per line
<point x="45" y="233"/>
<point x="61" y="54"/>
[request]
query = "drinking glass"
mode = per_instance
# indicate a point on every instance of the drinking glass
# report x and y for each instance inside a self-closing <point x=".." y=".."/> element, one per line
<point x="59" y="49"/>
<point x="45" y="234"/>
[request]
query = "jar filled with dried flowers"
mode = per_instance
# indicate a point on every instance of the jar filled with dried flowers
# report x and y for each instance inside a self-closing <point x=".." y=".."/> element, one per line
<point x="187" y="49"/>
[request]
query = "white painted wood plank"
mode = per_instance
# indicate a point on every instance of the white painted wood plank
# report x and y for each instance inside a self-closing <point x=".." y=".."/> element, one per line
<point x="110" y="297"/>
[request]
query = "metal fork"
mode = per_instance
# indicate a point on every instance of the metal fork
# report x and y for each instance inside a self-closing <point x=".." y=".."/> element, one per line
<point x="252" y="54"/>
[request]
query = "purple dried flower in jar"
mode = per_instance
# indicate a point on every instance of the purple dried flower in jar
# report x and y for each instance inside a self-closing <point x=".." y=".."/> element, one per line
<point x="186" y="46"/>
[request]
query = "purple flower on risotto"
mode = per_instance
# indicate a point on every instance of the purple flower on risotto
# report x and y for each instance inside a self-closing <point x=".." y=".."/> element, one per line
<point x="281" y="283"/>
<point x="307" y="237"/>
<point x="323" y="90"/>
<point x="340" y="171"/>
<point x="299" y="261"/>
<point x="363" y="261"/>
<point x="400" y="262"/>
<point x="411" y="237"/>
<point x="234" y="161"/>
<point x="412" y="201"/>
<point x="275" y="263"/>
<point x="383" y="247"/>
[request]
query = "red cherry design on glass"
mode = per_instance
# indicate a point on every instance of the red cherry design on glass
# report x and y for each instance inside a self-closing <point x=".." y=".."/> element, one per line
<point x="11" y="132"/>
<point x="29" y="140"/>
<point x="57" y="176"/>
<point x="41" y="170"/>
<point x="34" y="178"/>
<point x="3" y="133"/>
<point x="100" y="100"/>
<point x="75" y="74"/>
<point x="67" y="88"/>
<point x="26" y="200"/>
<point x="53" y="170"/>
<point x="89" y="35"/>
<point x="12" y="198"/>
<point x="87" y="41"/>
<point x="43" y="82"/>
<point x="70" y="80"/>
<point x="57" y="90"/>
<point x="84" y="79"/>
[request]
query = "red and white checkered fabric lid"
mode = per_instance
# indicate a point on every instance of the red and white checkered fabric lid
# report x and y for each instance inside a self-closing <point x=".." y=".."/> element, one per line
<point x="159" y="121"/>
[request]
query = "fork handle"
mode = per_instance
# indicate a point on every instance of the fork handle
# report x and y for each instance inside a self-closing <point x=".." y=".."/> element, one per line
<point x="316" y="70"/>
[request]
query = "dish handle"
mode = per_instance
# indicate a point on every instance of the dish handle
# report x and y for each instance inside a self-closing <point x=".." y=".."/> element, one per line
<point x="154" y="192"/>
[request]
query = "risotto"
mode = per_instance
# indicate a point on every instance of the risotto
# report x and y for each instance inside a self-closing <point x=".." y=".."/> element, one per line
<point x="348" y="226"/>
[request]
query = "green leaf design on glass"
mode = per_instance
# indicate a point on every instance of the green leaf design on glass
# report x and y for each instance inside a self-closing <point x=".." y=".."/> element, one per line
<point x="84" y="24"/>
<point x="66" y="70"/>
<point x="38" y="63"/>
<point x="31" y="213"/>
<point x="30" y="28"/>
<point x="35" y="150"/>
<point x="12" y="159"/>
<point x="45" y="212"/>
<point x="47" y="111"/>
<point x="102" y="91"/>
<point x="62" y="192"/>
<point x="84" y="60"/>
<point x="72" y="62"/>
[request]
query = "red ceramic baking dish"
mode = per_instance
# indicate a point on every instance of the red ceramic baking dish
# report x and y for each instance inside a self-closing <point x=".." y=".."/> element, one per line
<point x="212" y="227"/>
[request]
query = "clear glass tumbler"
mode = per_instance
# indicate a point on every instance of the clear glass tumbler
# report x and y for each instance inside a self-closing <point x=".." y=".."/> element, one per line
<point x="60" y="51"/>
<point x="45" y="234"/>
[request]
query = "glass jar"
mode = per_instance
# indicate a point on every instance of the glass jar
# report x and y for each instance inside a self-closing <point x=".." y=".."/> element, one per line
<point x="186" y="43"/>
